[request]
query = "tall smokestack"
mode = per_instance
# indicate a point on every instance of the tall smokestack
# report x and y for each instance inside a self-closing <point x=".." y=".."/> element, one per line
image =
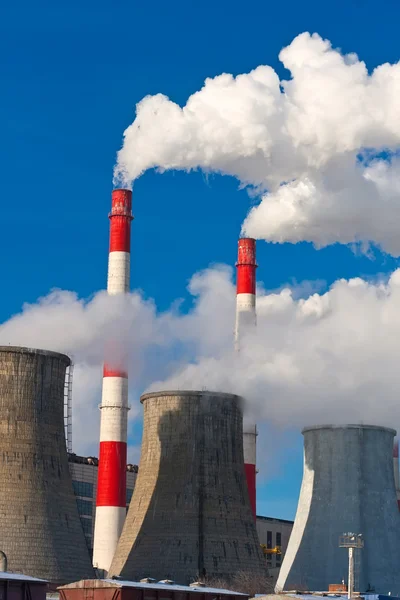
<point x="246" y="316"/>
<point x="111" y="484"/>
<point x="396" y="470"/>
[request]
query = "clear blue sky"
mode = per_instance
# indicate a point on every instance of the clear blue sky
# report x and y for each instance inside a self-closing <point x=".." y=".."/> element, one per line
<point x="71" y="75"/>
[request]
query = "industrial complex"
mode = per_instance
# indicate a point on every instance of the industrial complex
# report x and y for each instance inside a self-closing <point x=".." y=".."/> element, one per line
<point x="185" y="517"/>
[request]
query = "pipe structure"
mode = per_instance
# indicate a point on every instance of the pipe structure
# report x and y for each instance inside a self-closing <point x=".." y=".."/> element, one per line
<point x="350" y="584"/>
<point x="246" y="317"/>
<point x="396" y="470"/>
<point x="111" y="486"/>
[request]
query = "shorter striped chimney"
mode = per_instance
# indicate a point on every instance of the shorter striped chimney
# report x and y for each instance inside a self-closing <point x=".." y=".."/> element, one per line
<point x="246" y="317"/>
<point x="396" y="470"/>
<point x="111" y="482"/>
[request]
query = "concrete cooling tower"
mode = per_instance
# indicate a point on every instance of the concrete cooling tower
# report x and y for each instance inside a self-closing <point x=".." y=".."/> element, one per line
<point x="348" y="487"/>
<point x="40" y="530"/>
<point x="190" y="514"/>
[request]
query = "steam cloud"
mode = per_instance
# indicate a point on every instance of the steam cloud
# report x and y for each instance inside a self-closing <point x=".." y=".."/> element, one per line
<point x="326" y="357"/>
<point x="322" y="151"/>
<point x="321" y="148"/>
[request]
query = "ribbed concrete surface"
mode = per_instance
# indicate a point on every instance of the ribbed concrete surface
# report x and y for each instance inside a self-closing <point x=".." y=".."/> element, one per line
<point x="348" y="486"/>
<point x="190" y="513"/>
<point x="40" y="530"/>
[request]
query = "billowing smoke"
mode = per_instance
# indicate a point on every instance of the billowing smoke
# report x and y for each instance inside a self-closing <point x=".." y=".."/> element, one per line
<point x="321" y="149"/>
<point x="323" y="357"/>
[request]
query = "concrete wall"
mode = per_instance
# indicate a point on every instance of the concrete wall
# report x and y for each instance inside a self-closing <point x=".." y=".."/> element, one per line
<point x="190" y="513"/>
<point x="40" y="530"/>
<point x="348" y="486"/>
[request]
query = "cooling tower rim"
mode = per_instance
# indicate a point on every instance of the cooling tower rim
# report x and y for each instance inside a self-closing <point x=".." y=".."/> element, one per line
<point x="26" y="350"/>
<point x="199" y="393"/>
<point x="350" y="426"/>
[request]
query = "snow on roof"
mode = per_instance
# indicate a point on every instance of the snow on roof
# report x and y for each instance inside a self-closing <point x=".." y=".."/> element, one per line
<point x="20" y="577"/>
<point x="175" y="587"/>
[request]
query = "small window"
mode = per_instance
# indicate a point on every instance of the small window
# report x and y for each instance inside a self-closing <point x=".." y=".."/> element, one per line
<point x="269" y="539"/>
<point x="85" y="507"/>
<point x="83" y="488"/>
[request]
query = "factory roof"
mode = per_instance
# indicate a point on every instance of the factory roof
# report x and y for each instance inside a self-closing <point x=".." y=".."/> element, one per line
<point x="155" y="586"/>
<point x="331" y="595"/>
<point x="274" y="520"/>
<point x="94" y="461"/>
<point x="20" y="577"/>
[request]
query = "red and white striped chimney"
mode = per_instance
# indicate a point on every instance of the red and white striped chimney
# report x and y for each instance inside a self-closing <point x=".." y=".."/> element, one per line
<point x="111" y="482"/>
<point x="396" y="470"/>
<point x="246" y="316"/>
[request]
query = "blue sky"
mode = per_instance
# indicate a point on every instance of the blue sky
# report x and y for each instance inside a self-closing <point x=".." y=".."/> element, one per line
<point x="71" y="76"/>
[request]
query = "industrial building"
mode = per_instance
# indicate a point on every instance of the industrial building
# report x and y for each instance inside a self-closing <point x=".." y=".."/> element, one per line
<point x="190" y="514"/>
<point x="348" y="488"/>
<point x="14" y="586"/>
<point x="40" y="529"/>
<point x="274" y="535"/>
<point x="84" y="473"/>
<point x="111" y="589"/>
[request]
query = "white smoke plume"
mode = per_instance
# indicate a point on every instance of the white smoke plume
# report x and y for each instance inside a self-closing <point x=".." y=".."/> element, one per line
<point x="326" y="357"/>
<point x="320" y="148"/>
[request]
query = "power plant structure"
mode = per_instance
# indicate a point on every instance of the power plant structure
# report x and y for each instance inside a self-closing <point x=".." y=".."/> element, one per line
<point x="190" y="514"/>
<point x="111" y="488"/>
<point x="84" y="471"/>
<point x="348" y="486"/>
<point x="40" y="531"/>
<point x="246" y="318"/>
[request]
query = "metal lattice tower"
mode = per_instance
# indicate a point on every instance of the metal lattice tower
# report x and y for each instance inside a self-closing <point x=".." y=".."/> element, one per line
<point x="354" y="542"/>
<point x="68" y="406"/>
